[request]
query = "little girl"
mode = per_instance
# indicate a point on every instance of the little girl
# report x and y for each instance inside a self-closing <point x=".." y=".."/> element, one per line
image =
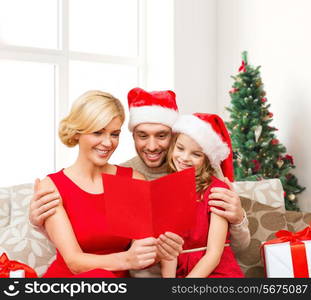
<point x="202" y="141"/>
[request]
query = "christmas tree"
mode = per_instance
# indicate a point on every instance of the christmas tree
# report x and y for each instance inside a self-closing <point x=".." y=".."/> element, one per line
<point x="258" y="154"/>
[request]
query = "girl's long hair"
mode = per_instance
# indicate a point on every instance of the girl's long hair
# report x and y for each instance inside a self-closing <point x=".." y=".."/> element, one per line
<point x="203" y="175"/>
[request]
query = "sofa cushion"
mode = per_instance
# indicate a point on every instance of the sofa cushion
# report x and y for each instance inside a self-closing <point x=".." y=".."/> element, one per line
<point x="266" y="191"/>
<point x="5" y="197"/>
<point x="264" y="221"/>
<point x="24" y="243"/>
<point x="297" y="221"/>
<point x="20" y="198"/>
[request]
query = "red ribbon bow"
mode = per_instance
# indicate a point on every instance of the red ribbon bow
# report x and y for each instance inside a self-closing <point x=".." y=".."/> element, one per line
<point x="7" y="265"/>
<point x="288" y="236"/>
<point x="242" y="67"/>
<point x="298" y="249"/>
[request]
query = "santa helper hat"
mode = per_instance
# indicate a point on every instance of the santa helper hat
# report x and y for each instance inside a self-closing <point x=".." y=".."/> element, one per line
<point x="210" y="132"/>
<point x="151" y="107"/>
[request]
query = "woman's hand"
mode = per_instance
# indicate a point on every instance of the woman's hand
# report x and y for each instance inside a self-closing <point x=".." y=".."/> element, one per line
<point x="142" y="253"/>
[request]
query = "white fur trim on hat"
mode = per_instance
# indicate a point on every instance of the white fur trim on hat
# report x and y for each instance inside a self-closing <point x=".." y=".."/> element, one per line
<point x="202" y="132"/>
<point x="152" y="114"/>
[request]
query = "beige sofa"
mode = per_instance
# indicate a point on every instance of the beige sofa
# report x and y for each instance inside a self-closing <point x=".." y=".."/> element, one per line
<point x="20" y="240"/>
<point x="262" y="201"/>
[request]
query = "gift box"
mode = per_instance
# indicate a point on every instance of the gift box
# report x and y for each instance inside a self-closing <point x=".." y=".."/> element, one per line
<point x="289" y="255"/>
<point x="15" y="269"/>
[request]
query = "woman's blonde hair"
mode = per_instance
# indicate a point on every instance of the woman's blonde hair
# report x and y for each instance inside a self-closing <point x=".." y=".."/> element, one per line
<point x="203" y="175"/>
<point x="91" y="112"/>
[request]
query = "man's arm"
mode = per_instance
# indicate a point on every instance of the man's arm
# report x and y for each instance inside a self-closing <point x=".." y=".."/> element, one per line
<point x="233" y="212"/>
<point x="240" y="235"/>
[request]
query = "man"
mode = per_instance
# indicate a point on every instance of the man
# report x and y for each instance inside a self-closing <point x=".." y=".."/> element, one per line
<point x="151" y="124"/>
<point x="151" y="118"/>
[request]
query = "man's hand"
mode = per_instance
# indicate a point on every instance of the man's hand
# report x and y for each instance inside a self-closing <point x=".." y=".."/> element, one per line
<point x="169" y="246"/>
<point x="42" y="204"/>
<point x="229" y="201"/>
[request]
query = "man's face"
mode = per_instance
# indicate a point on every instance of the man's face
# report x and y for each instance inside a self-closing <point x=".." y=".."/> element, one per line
<point x="152" y="141"/>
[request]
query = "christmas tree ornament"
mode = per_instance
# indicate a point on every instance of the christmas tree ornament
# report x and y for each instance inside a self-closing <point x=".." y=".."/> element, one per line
<point x="291" y="197"/>
<point x="280" y="163"/>
<point x="242" y="67"/>
<point x="274" y="141"/>
<point x="289" y="158"/>
<point x="257" y="165"/>
<point x="257" y="132"/>
<point x="233" y="90"/>
<point x="268" y="116"/>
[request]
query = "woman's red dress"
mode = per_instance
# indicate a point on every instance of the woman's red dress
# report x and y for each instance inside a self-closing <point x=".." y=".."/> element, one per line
<point x="86" y="213"/>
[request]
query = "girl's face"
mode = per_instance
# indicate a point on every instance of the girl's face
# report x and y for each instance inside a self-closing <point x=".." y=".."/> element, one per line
<point x="187" y="153"/>
<point x="97" y="147"/>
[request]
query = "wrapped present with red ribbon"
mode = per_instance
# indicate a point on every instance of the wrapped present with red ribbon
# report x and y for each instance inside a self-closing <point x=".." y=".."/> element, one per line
<point x="15" y="269"/>
<point x="289" y="255"/>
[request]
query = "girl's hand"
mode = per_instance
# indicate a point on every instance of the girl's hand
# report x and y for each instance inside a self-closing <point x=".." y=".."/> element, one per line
<point x="169" y="246"/>
<point x="142" y="253"/>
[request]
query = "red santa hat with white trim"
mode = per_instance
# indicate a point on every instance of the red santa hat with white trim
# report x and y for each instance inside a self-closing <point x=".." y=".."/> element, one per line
<point x="210" y="132"/>
<point x="152" y="107"/>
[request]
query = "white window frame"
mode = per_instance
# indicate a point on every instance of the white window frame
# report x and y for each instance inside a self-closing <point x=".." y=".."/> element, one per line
<point x="61" y="58"/>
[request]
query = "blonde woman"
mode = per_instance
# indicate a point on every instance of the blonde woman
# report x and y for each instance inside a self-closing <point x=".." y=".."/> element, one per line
<point x="77" y="228"/>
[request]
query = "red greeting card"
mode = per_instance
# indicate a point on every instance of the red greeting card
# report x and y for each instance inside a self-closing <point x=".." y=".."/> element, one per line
<point x="137" y="209"/>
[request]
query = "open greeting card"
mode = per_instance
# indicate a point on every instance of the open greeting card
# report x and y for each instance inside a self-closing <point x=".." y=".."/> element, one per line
<point x="137" y="209"/>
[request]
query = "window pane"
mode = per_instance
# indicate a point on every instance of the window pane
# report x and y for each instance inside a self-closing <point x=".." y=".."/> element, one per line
<point x="31" y="23"/>
<point x="114" y="79"/>
<point x="104" y="26"/>
<point x="26" y="121"/>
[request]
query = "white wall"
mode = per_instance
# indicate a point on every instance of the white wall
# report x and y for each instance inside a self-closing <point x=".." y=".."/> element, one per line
<point x="159" y="46"/>
<point x="195" y="55"/>
<point x="209" y="38"/>
<point x="277" y="36"/>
